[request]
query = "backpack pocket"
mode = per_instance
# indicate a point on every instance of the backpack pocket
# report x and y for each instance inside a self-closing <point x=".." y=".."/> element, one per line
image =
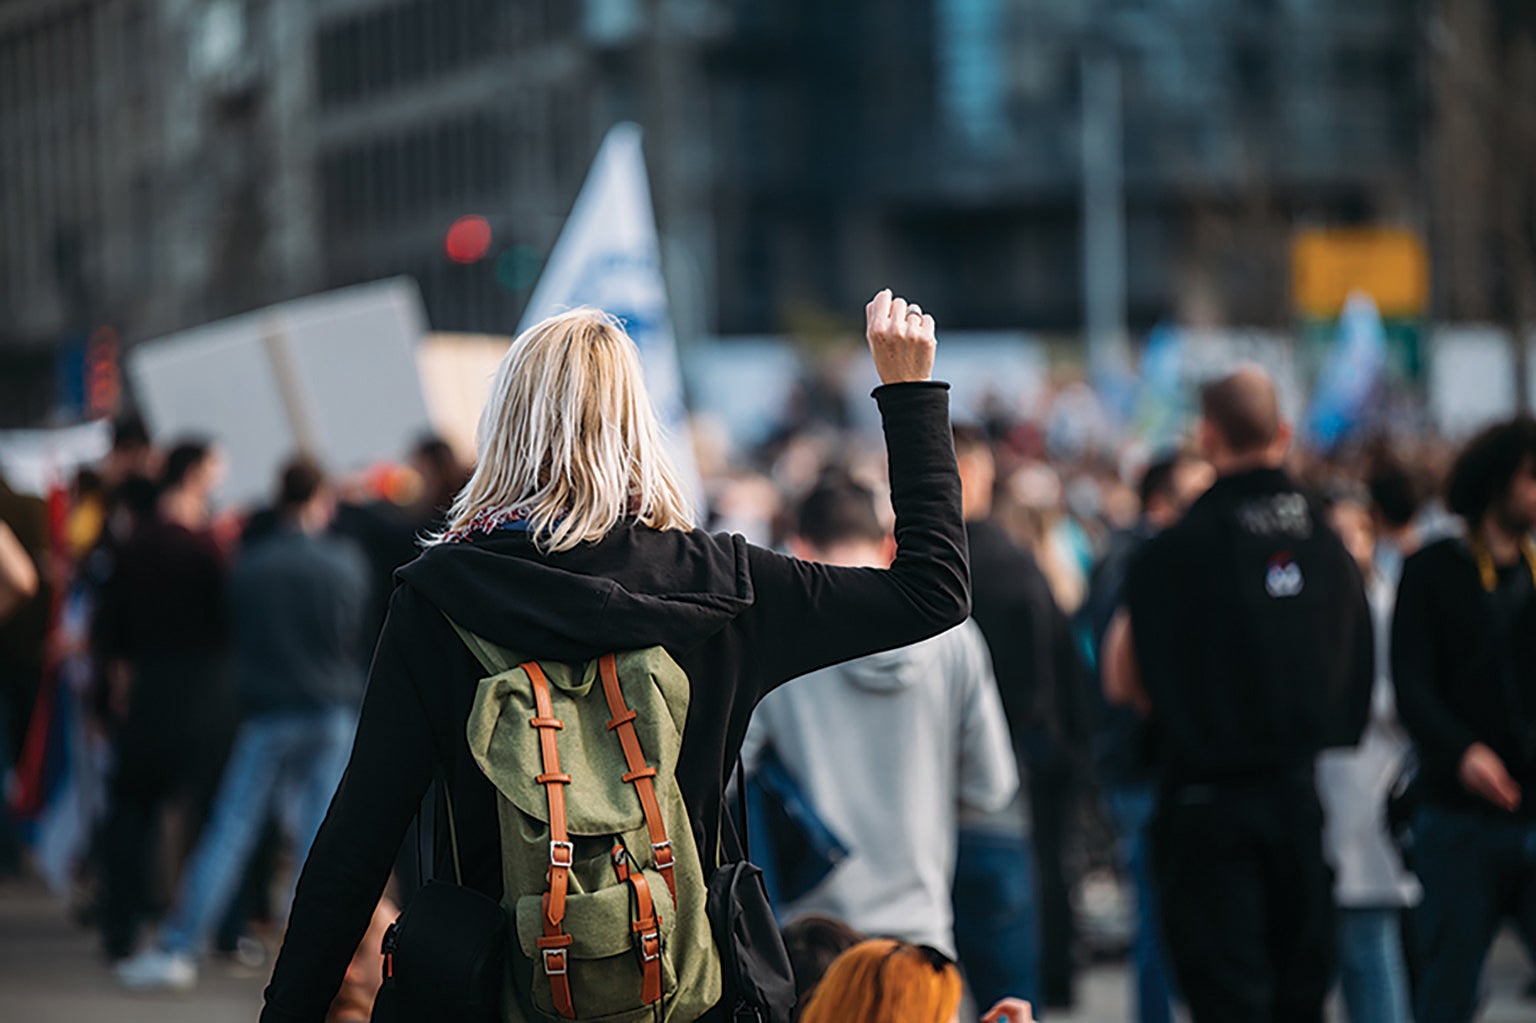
<point x="604" y="958"/>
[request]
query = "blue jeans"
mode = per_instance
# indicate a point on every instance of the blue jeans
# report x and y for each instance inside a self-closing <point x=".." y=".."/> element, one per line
<point x="1372" y="974"/>
<point x="1477" y="869"/>
<point x="996" y="926"/>
<point x="297" y="757"/>
<point x="1132" y="807"/>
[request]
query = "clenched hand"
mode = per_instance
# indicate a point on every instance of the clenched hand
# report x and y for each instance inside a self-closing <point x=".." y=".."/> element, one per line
<point x="900" y="338"/>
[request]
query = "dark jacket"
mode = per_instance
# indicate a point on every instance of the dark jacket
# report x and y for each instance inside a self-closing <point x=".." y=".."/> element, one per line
<point x="738" y="619"/>
<point x="1036" y="666"/>
<point x="297" y="603"/>
<point x="1253" y="635"/>
<point x="166" y="594"/>
<point x="1465" y="670"/>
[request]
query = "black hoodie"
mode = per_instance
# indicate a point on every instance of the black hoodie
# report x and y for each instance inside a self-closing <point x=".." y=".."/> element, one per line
<point x="1253" y="634"/>
<point x="740" y="621"/>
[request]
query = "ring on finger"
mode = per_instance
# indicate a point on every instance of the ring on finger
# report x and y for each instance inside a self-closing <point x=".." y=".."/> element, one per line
<point x="915" y="310"/>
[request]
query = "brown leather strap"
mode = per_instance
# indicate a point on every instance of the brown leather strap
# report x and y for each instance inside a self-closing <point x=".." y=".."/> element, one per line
<point x="554" y="946"/>
<point x="554" y="949"/>
<point x="640" y="773"/>
<point x="646" y="927"/>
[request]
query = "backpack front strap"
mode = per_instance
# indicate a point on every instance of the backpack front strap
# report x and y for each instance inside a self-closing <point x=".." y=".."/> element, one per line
<point x="640" y="773"/>
<point x="554" y="946"/>
<point x="646" y="927"/>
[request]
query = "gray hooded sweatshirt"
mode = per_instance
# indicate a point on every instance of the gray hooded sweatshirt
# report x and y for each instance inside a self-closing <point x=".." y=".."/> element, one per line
<point x="888" y="748"/>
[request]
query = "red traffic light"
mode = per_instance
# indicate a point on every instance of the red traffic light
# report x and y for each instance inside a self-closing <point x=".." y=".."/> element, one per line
<point x="469" y="239"/>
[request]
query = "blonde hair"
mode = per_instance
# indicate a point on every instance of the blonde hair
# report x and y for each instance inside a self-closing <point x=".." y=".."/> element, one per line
<point x="569" y="440"/>
<point x="885" y="981"/>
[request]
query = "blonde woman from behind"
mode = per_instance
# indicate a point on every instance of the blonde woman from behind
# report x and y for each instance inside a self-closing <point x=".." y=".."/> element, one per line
<point x="573" y="539"/>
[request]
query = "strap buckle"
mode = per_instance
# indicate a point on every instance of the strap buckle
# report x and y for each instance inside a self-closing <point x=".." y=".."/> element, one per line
<point x="649" y="940"/>
<point x="567" y="848"/>
<point x="657" y="849"/>
<point x="552" y="969"/>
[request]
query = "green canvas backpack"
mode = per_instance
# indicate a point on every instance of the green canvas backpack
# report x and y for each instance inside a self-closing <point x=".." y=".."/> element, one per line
<point x="600" y="875"/>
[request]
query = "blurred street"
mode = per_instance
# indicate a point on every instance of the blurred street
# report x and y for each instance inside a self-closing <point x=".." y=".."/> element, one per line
<point x="50" y="973"/>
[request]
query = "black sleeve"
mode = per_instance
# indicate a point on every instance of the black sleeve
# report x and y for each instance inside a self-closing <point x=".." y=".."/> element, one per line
<point x="1439" y="735"/>
<point x="1038" y="634"/>
<point x="1157" y="610"/>
<point x="807" y="616"/>
<point x="1352" y="702"/>
<point x="1022" y="657"/>
<point x="393" y="760"/>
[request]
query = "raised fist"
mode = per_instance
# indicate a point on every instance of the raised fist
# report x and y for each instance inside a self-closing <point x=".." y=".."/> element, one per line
<point x="900" y="338"/>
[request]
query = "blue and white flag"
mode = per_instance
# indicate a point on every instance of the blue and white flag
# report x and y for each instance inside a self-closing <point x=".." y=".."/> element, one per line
<point x="1159" y="410"/>
<point x="608" y="257"/>
<point x="1348" y="381"/>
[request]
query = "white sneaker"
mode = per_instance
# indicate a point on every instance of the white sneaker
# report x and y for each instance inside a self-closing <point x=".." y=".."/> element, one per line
<point x="249" y="953"/>
<point x="154" y="970"/>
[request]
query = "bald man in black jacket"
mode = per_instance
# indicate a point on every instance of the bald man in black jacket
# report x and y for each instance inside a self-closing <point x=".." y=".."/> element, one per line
<point x="1247" y="641"/>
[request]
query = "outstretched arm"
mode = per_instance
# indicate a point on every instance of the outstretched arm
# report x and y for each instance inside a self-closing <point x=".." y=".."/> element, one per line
<point x="806" y="615"/>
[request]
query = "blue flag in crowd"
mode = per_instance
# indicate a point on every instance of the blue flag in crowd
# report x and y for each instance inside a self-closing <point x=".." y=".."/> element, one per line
<point x="1341" y="401"/>
<point x="1159" y="410"/>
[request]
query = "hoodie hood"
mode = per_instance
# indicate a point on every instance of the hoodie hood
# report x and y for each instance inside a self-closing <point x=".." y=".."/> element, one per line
<point x="890" y="671"/>
<point x="637" y="587"/>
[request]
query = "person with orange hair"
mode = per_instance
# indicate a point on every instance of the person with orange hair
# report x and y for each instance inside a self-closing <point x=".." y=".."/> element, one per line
<point x="887" y="981"/>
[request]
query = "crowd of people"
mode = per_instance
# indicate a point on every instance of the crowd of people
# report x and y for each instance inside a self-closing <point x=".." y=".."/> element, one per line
<point x="1287" y="695"/>
<point x="200" y="670"/>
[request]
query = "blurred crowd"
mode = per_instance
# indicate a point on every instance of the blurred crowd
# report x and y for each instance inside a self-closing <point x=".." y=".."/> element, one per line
<point x="180" y="680"/>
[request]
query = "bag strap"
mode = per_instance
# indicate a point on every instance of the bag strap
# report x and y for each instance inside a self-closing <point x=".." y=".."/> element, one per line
<point x="646" y="926"/>
<point x="453" y="831"/>
<point x="640" y="773"/>
<point x="1486" y="570"/>
<point x="453" y="836"/>
<point x="730" y="827"/>
<point x="555" y="943"/>
<point x="741" y="801"/>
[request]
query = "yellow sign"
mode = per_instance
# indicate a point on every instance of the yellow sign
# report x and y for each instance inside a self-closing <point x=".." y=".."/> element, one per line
<point x="1388" y="264"/>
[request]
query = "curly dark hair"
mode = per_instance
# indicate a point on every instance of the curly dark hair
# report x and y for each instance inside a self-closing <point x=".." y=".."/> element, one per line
<point x="1487" y="465"/>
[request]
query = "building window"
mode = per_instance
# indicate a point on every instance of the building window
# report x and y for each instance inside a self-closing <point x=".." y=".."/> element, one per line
<point x="444" y="167"/>
<point x="391" y="47"/>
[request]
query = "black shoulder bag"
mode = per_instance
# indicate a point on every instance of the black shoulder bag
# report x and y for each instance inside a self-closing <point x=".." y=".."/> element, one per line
<point x="758" y="981"/>
<point x="445" y="956"/>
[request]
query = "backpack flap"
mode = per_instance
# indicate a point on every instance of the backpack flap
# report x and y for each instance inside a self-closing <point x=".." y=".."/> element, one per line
<point x="507" y="751"/>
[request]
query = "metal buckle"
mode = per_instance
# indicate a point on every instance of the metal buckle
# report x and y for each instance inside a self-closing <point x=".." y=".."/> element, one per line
<point x="550" y="970"/>
<point x="650" y="936"/>
<point x="570" y="854"/>
<point x="656" y="850"/>
<point x="620" y="856"/>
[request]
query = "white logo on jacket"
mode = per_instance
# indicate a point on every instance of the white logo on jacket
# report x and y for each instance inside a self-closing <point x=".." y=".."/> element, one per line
<point x="1283" y="577"/>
